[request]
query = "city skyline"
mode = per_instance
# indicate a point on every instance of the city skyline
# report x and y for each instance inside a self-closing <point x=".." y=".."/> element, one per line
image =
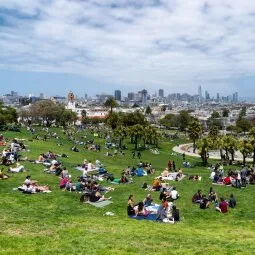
<point x="92" y="46"/>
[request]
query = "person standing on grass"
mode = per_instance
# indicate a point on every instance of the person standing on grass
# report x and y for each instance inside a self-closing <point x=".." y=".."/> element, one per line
<point x="169" y="165"/>
<point x="139" y="154"/>
<point x="133" y="154"/>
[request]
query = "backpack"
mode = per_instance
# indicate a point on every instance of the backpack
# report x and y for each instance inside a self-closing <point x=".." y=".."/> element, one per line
<point x="145" y="185"/>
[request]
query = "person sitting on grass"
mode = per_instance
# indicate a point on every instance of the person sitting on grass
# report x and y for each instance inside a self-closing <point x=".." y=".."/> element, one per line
<point x="174" y="195"/>
<point x="63" y="182"/>
<point x="197" y="197"/>
<point x="123" y="179"/>
<point x="130" y="206"/>
<point x="3" y="176"/>
<point x="148" y="200"/>
<point x="232" y="201"/>
<point x="150" y="169"/>
<point x="204" y="203"/>
<point x="139" y="172"/>
<point x="175" y="215"/>
<point x="212" y="196"/>
<point x="156" y="186"/>
<point x="140" y="210"/>
<point x="165" y="173"/>
<point x="223" y="206"/>
<point x="96" y="196"/>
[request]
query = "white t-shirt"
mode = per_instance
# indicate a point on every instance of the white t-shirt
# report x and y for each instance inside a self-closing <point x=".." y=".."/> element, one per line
<point x="174" y="194"/>
<point x="89" y="166"/>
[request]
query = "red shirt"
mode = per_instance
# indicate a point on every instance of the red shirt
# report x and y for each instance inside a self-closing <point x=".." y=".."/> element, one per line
<point x="223" y="206"/>
<point x="227" y="180"/>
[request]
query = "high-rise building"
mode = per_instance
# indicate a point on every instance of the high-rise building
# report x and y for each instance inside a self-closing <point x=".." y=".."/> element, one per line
<point x="218" y="97"/>
<point x="41" y="96"/>
<point x="235" y="97"/>
<point x="117" y="95"/>
<point x="144" y="96"/>
<point x="207" y="96"/>
<point x="161" y="93"/>
<point x="200" y="94"/>
<point x="131" y="96"/>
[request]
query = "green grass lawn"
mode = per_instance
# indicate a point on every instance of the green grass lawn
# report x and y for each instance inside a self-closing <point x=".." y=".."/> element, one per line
<point x="57" y="223"/>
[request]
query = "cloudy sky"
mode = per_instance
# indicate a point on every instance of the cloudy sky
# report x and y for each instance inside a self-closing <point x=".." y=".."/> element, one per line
<point x="92" y="46"/>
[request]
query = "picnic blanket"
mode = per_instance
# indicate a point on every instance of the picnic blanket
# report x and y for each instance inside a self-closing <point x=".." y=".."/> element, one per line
<point x="81" y="169"/>
<point x="151" y="217"/>
<point x="100" y="204"/>
<point x="171" y="177"/>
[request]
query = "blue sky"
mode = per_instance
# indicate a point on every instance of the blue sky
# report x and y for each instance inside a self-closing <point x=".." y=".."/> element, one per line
<point x="53" y="46"/>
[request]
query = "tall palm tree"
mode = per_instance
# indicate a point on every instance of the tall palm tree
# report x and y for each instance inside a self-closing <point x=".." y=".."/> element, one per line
<point x="204" y="145"/>
<point x="219" y="145"/>
<point x="120" y="132"/>
<point x="252" y="139"/>
<point x="245" y="148"/>
<point x="110" y="103"/>
<point x="136" y="132"/>
<point x="194" y="131"/>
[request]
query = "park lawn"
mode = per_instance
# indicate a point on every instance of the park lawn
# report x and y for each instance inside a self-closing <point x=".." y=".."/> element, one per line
<point x="58" y="223"/>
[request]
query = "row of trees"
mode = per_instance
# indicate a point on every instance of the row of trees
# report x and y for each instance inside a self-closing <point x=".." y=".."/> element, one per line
<point x="133" y="125"/>
<point x="227" y="145"/>
<point x="46" y="111"/>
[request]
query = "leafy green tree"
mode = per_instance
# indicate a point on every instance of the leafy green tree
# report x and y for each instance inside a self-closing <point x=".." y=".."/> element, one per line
<point x="113" y="120"/>
<point x="245" y="148"/>
<point x="7" y="115"/>
<point x="67" y="117"/>
<point x="148" y="110"/>
<point x="252" y="141"/>
<point x="194" y="132"/>
<point x="243" y="124"/>
<point x="110" y="103"/>
<point x="225" y="113"/>
<point x="184" y="120"/>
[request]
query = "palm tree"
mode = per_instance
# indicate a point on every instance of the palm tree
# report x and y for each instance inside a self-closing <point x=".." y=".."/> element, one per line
<point x="252" y="137"/>
<point x="136" y="132"/>
<point x="120" y="132"/>
<point x="245" y="148"/>
<point x="204" y="145"/>
<point x="219" y="145"/>
<point x="213" y="132"/>
<point x="194" y="131"/>
<point x="110" y="102"/>
<point x="232" y="146"/>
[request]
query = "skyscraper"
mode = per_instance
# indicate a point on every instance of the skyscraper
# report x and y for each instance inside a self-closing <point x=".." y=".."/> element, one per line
<point x="200" y="94"/>
<point x="144" y="96"/>
<point x="131" y="96"/>
<point x="117" y="95"/>
<point x="161" y="93"/>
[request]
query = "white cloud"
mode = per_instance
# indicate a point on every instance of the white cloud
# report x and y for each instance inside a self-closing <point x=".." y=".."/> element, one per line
<point x="175" y="44"/>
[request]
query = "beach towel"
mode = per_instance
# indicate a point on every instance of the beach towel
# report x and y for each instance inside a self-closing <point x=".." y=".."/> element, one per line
<point x="100" y="204"/>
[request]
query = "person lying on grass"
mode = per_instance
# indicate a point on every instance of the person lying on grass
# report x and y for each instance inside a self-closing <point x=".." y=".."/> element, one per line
<point x="19" y="168"/>
<point x="31" y="187"/>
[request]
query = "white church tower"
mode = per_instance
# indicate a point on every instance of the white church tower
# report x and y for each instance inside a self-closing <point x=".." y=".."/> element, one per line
<point x="71" y="101"/>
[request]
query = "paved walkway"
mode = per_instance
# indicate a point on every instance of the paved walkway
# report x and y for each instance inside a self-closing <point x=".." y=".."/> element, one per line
<point x="180" y="149"/>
